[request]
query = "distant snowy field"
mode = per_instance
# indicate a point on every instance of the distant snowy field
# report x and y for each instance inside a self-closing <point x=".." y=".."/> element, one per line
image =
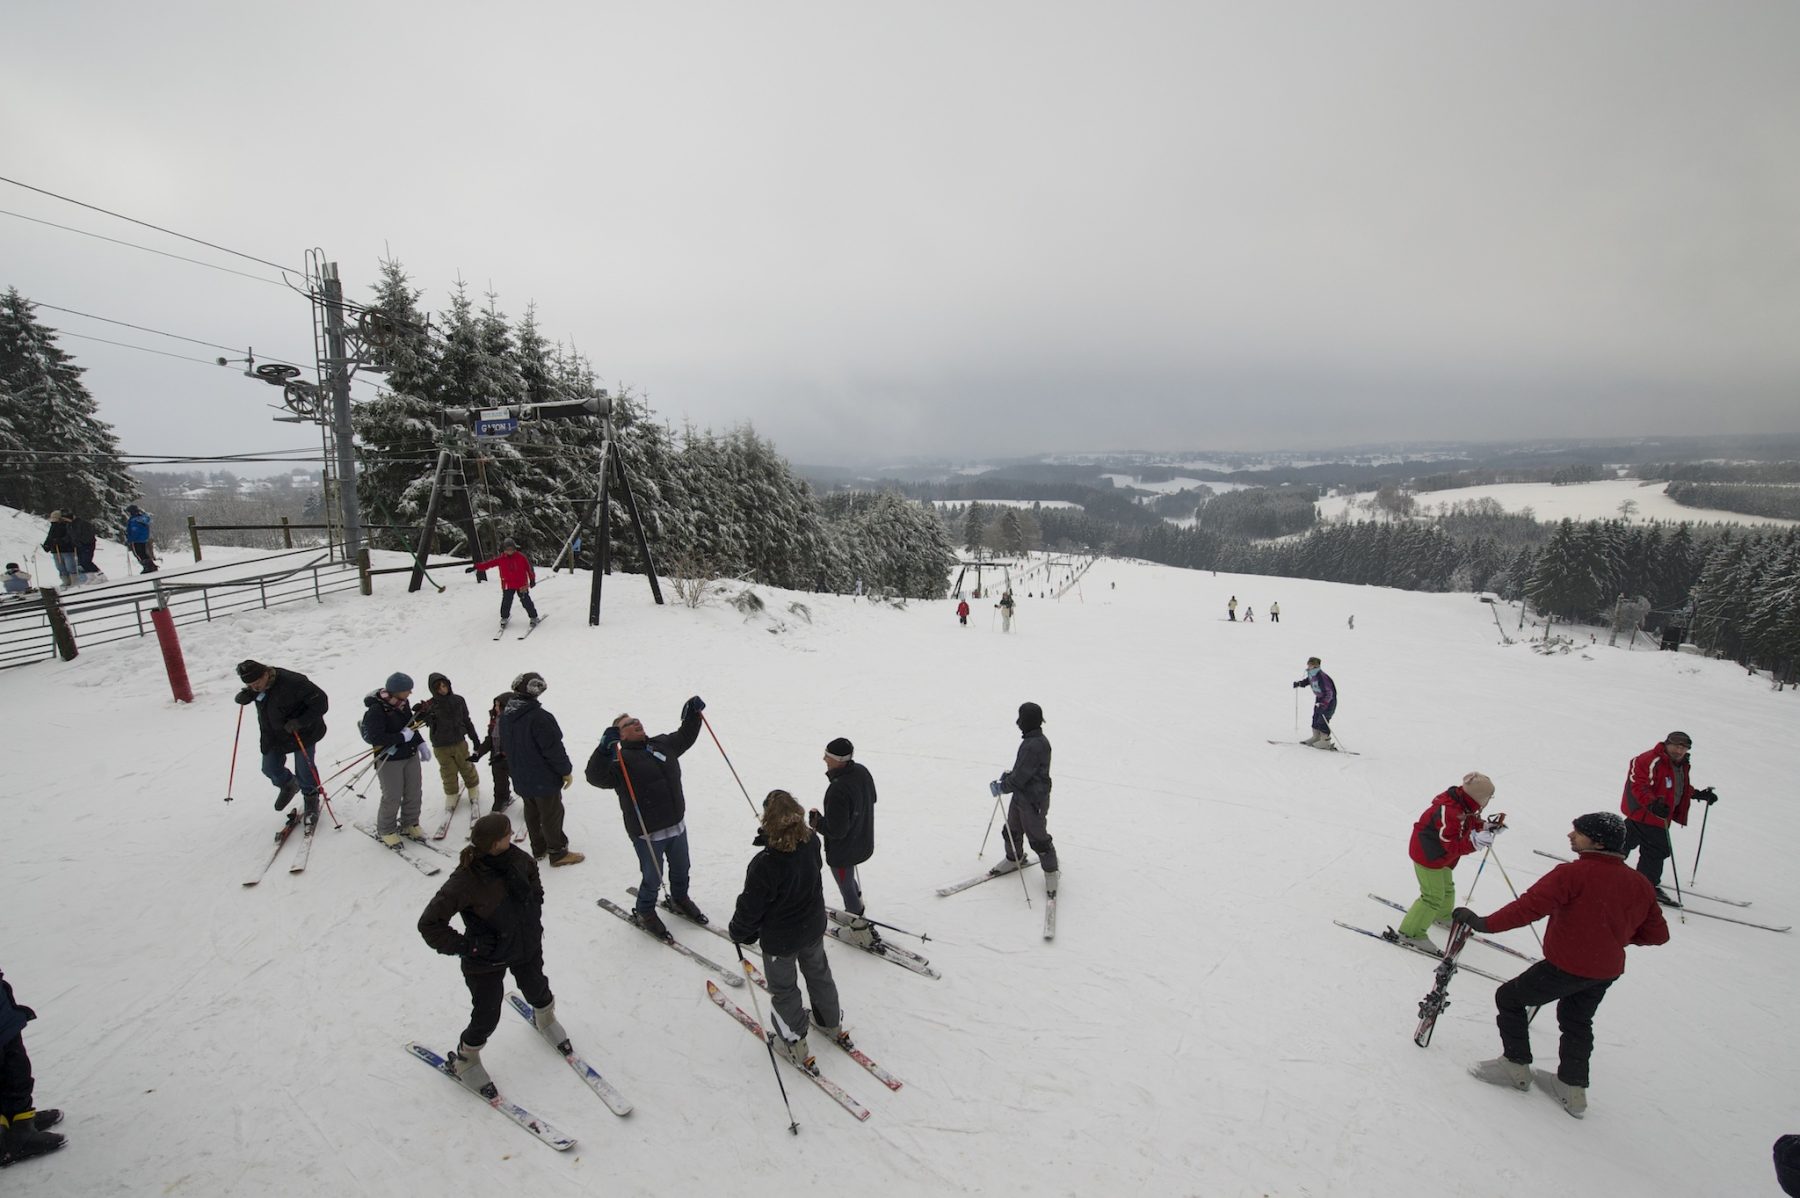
<point x="1198" y="1027"/>
<point x="1172" y="485"/>
<point x="1578" y="501"/>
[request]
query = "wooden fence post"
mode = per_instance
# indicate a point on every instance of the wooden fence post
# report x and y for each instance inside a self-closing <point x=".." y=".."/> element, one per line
<point x="194" y="536"/>
<point x="60" y="632"/>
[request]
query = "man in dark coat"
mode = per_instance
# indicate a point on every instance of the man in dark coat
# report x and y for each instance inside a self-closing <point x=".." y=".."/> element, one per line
<point x="87" y="539"/>
<point x="500" y="897"/>
<point x="1597" y="905"/>
<point x="24" y="1130"/>
<point x="848" y="826"/>
<point x="540" y="767"/>
<point x="290" y="718"/>
<point x="645" y="771"/>
<point x="1028" y="782"/>
<point x="783" y="905"/>
<point x="59" y="543"/>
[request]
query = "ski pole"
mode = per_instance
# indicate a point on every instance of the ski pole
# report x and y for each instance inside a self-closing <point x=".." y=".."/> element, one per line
<point x="1469" y="897"/>
<point x="649" y="845"/>
<point x="1680" y="911"/>
<point x="359" y="759"/>
<point x="734" y="774"/>
<point x="1296" y="709"/>
<point x="1696" y="866"/>
<point x="320" y="782"/>
<point x="992" y="815"/>
<point x="231" y="778"/>
<point x="890" y="927"/>
<point x="1515" y="893"/>
<point x="768" y="1036"/>
<point x="1018" y="849"/>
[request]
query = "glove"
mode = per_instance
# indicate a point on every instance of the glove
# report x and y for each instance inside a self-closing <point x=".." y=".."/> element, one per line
<point x="994" y="789"/>
<point x="291" y="727"/>
<point x="407" y="734"/>
<point x="468" y="569"/>
<point x="1706" y="796"/>
<point x="1485" y="838"/>
<point x="814" y="819"/>
<point x="609" y="741"/>
<point x="1659" y="809"/>
<point x="424" y="751"/>
<point x="1465" y="915"/>
<point x="474" y="747"/>
<point x="1300" y="684"/>
<point x="692" y="708"/>
<point x="568" y="781"/>
<point x="477" y="755"/>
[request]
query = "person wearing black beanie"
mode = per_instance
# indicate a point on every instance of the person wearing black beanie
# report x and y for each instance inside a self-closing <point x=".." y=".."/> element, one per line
<point x="847" y="825"/>
<point x="1028" y="816"/>
<point x="290" y="719"/>
<point x="1597" y="905"/>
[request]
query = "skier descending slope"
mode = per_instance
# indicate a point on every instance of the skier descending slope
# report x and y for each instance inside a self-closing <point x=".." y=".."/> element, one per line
<point x="1451" y="828"/>
<point x="500" y="896"/>
<point x="783" y="905"/>
<point x="1324" y="704"/>
<point x="1597" y="905"/>
<point x="1028" y="815"/>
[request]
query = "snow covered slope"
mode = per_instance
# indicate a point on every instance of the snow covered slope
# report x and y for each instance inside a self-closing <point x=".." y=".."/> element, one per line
<point x="1199" y="1026"/>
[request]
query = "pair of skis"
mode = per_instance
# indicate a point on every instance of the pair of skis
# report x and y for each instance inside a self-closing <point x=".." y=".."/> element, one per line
<point x="424" y="865"/>
<point x="531" y="628"/>
<point x="539" y="1128"/>
<point x="301" y="856"/>
<point x="1049" y="895"/>
<point x="1487" y="940"/>
<point x="1767" y="927"/>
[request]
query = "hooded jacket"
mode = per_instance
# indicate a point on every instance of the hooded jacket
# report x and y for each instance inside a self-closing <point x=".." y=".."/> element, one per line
<point x="783" y="902"/>
<point x="1030" y="775"/>
<point x="384" y="725"/>
<point x="654" y="767"/>
<point x="1597" y="905"/>
<point x="291" y="697"/>
<point x="447" y="715"/>
<point x="501" y="901"/>
<point x="533" y="743"/>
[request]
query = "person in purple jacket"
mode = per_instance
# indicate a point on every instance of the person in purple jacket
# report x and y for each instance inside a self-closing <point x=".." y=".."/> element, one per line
<point x="1324" y="704"/>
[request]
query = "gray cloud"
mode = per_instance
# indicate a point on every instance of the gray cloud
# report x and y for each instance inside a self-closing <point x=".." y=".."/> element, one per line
<point x="983" y="229"/>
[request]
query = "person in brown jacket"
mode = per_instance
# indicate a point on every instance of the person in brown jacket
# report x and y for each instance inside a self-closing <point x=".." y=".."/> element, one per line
<point x="497" y="891"/>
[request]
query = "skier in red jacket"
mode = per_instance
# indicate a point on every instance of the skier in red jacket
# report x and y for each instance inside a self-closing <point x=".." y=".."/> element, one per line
<point x="1657" y="789"/>
<point x="516" y="577"/>
<point x="1597" y="905"/>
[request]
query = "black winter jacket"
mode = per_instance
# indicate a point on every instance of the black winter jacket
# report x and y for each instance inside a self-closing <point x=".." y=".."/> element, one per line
<point x="533" y="743"/>
<point x="447" y="715"/>
<point x="383" y="725"/>
<point x="783" y="903"/>
<point x="501" y="901"/>
<point x="60" y="538"/>
<point x="14" y="1015"/>
<point x="490" y="744"/>
<point x="849" y="815"/>
<point x="1030" y="775"/>
<point x="292" y="697"/>
<point x="655" y="769"/>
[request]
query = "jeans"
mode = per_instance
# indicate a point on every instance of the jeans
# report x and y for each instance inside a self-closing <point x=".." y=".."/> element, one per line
<point x="1576" y="1000"/>
<point x="506" y="602"/>
<point x="674" y="852"/>
<point x="845" y="877"/>
<point x="275" y="767"/>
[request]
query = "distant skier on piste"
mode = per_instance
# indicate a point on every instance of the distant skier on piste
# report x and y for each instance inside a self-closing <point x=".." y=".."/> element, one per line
<point x="1449" y="830"/>
<point x="446" y="714"/>
<point x="847" y="825"/>
<point x="290" y="719"/>
<point x="1028" y="815"/>
<point x="1324" y="704"/>
<point x="645" y="772"/>
<point x="783" y="905"/>
<point x="1597" y="905"/>
<point x="1658" y="789"/>
<point x="390" y="724"/>
<point x="516" y="578"/>
<point x="500" y="896"/>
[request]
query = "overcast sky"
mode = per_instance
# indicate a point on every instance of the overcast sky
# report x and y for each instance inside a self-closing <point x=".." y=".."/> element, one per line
<point x="966" y="229"/>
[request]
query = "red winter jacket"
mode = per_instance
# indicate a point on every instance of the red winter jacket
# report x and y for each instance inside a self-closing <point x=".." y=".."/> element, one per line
<point x="1597" y="905"/>
<point x="515" y="572"/>
<point x="1654" y="778"/>
<point x="1441" y="837"/>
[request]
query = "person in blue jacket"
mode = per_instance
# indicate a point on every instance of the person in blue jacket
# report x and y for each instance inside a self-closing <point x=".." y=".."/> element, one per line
<point x="137" y="537"/>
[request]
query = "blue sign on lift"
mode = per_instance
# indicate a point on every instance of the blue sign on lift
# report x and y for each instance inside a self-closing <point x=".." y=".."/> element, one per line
<point x="495" y="423"/>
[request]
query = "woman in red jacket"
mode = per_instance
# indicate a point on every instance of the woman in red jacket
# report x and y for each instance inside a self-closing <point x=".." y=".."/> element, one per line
<point x="516" y="577"/>
<point x="1597" y="905"/>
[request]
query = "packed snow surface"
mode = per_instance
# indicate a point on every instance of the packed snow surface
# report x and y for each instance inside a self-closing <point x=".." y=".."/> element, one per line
<point x="1197" y="1027"/>
<point x="1576" y="501"/>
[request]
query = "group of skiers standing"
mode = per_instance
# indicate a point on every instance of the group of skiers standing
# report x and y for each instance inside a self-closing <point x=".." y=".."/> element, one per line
<point x="1250" y="612"/>
<point x="1596" y="906"/>
<point x="72" y="540"/>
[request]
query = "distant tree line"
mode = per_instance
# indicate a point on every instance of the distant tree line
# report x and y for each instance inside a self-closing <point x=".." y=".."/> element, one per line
<point x="1721" y="472"/>
<point x="1777" y="502"/>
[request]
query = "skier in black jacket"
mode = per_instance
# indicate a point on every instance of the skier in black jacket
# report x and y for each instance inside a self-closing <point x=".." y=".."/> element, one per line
<point x="540" y="767"/>
<point x="447" y="715"/>
<point x="645" y="771"/>
<point x="288" y="706"/>
<point x="848" y="827"/>
<point x="1028" y="782"/>
<point x="497" y="891"/>
<point x="783" y="905"/>
<point x="24" y="1129"/>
